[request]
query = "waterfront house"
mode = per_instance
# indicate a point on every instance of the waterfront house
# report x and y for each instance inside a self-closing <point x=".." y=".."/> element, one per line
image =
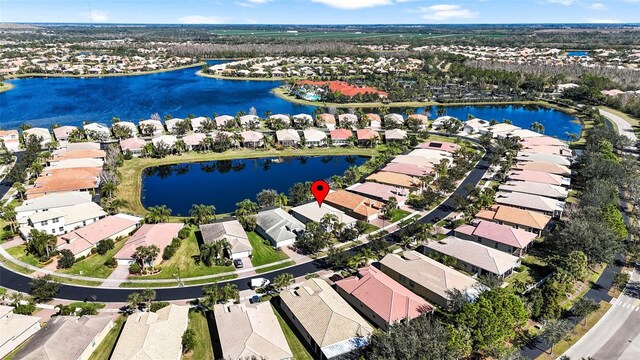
<point x="538" y="177"/>
<point x="501" y="237"/>
<point x="440" y="146"/>
<point x="77" y="154"/>
<point x="10" y="139"/>
<point x="394" y="179"/>
<point x="374" y="120"/>
<point x="409" y="169"/>
<point x="16" y="329"/>
<point x="395" y="135"/>
<point x="393" y="120"/>
<point x="475" y="258"/>
<point x="326" y="120"/>
<point x="549" y="150"/>
<point x="232" y="231"/>
<point x="340" y="137"/>
<point x="419" y="161"/>
<point x="55" y="180"/>
<point x="285" y="119"/>
<point x="127" y="125"/>
<point x="252" y="139"/>
<point x="194" y="141"/>
<point x="476" y="126"/>
<point x="380" y="298"/>
<point x="172" y="123"/>
<point x="81" y="240"/>
<point x="302" y="120"/>
<point x="354" y="205"/>
<point x="531" y="221"/>
<point x="279" y="227"/>
<point x="249" y="121"/>
<point x="67" y="337"/>
<point x="535" y="188"/>
<point x="312" y="212"/>
<point x="314" y="138"/>
<point x="164" y="140"/>
<point x="97" y="131"/>
<point x="153" y="335"/>
<point x="422" y="120"/>
<point x="380" y="192"/>
<point x="159" y="235"/>
<point x="502" y="129"/>
<point x="198" y="122"/>
<point x="543" y="141"/>
<point x="132" y="145"/>
<point x="76" y="163"/>
<point x="367" y="137"/>
<point x="62" y="133"/>
<point x="250" y="330"/>
<point x="329" y="325"/>
<point x="545" y="205"/>
<point x="348" y="121"/>
<point x="522" y="134"/>
<point x="428" y="278"/>
<point x="151" y="127"/>
<point x="41" y="133"/>
<point x="223" y="120"/>
<point x="440" y="121"/>
<point x="288" y="137"/>
<point x="544" y="158"/>
<point x="543" y="167"/>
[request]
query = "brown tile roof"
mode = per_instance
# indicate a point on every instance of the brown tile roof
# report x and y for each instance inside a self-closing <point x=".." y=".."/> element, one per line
<point x="80" y="154"/>
<point x="394" y="179"/>
<point x="356" y="203"/>
<point x="366" y="134"/>
<point x="517" y="216"/>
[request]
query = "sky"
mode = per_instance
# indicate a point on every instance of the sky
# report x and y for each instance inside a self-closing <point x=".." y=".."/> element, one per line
<point x="321" y="11"/>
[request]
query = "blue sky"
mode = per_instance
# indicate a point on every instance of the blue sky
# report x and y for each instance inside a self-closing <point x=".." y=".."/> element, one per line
<point x="321" y="11"/>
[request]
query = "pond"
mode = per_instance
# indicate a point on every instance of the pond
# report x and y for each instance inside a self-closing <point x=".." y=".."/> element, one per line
<point x="226" y="182"/>
<point x="578" y="53"/>
<point x="70" y="101"/>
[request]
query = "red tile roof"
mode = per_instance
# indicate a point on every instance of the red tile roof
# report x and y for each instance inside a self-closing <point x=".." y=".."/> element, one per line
<point x="366" y="134"/>
<point x="341" y="134"/>
<point x="343" y="87"/>
<point x="150" y="234"/>
<point x="503" y="234"/>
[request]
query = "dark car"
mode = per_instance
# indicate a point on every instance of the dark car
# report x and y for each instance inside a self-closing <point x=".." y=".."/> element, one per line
<point x="435" y="220"/>
<point x="238" y="263"/>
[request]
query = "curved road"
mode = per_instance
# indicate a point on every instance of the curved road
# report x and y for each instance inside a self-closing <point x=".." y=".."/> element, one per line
<point x="20" y="282"/>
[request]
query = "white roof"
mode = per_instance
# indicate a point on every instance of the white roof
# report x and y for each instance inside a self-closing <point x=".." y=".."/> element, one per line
<point x="56" y="200"/>
<point x="529" y="201"/>
<point x="168" y="140"/>
<point x="313" y="212"/>
<point x="539" y="157"/>
<point x="278" y="224"/>
<point x="314" y="135"/>
<point x="287" y="135"/>
<point x="486" y="258"/>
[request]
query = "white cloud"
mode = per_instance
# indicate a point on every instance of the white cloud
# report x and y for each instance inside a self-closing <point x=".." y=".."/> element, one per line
<point x="353" y="4"/>
<point x="561" y="2"/>
<point x="443" y="12"/>
<point x="597" y="7"/>
<point x="252" y="3"/>
<point x="604" y="21"/>
<point x="199" y="19"/>
<point x="98" y="16"/>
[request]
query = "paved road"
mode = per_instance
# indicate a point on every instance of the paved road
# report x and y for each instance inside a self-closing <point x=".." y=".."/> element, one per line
<point x="20" y="282"/>
<point x="5" y="185"/>
<point x="624" y="128"/>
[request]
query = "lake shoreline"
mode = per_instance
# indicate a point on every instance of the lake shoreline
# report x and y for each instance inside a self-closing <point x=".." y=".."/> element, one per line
<point x="6" y="87"/>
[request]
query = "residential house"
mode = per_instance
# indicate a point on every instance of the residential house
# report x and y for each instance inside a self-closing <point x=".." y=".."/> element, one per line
<point x="279" y="227"/>
<point x="198" y="122"/>
<point x="81" y="240"/>
<point x="501" y="237"/>
<point x="77" y="154"/>
<point x="194" y="141"/>
<point x="440" y="121"/>
<point x="66" y="337"/>
<point x="354" y="205"/>
<point x="329" y="325"/>
<point x="55" y="180"/>
<point x="531" y="221"/>
<point x="84" y="145"/>
<point x="392" y="120"/>
<point x="476" y="126"/>
<point x="153" y="335"/>
<point x="380" y="298"/>
<point x="432" y="155"/>
<point x="62" y="133"/>
<point x="348" y="121"/>
<point x="428" y="278"/>
<point x="374" y="120"/>
<point x="314" y="138"/>
<point x="326" y="120"/>
<point x="43" y="134"/>
<point x="97" y="131"/>
<point x="340" y="137"/>
<point x="502" y="129"/>
<point x="475" y="258"/>
<point x="249" y="121"/>
<point x="16" y="329"/>
<point x="395" y="135"/>
<point x="312" y="212"/>
<point x="396" y="180"/>
<point x="252" y="139"/>
<point x="305" y="119"/>
<point x="545" y="205"/>
<point x="281" y="117"/>
<point x="422" y="120"/>
<point x="538" y="177"/>
<point x="250" y="330"/>
<point x="381" y="192"/>
<point x="61" y="219"/>
<point x="544" y="158"/>
<point x="232" y="231"/>
<point x="159" y="235"/>
<point x="543" y="167"/>
<point x="155" y="126"/>
<point x="367" y="137"/>
<point x="288" y="137"/>
<point x="172" y="123"/>
<point x="549" y="150"/>
<point x="522" y="134"/>
<point x="440" y="146"/>
<point x="166" y="140"/>
<point x="223" y="120"/>
<point x="409" y="169"/>
<point x="127" y="125"/>
<point x="132" y="145"/>
<point x="543" y="141"/>
<point x="51" y="202"/>
<point x="76" y="163"/>
<point x="10" y="139"/>
<point x="535" y="188"/>
<point x="415" y="160"/>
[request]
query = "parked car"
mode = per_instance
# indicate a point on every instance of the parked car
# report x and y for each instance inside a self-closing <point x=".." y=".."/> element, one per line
<point x="254" y="299"/>
<point x="238" y="263"/>
<point x="259" y="283"/>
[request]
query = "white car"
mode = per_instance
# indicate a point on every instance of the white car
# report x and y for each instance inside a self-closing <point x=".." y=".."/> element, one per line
<point x="259" y="283"/>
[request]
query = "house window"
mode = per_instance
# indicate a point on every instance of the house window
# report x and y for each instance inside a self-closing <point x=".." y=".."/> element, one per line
<point x="56" y="220"/>
<point x="402" y="278"/>
<point x="61" y="229"/>
<point x="495" y="245"/>
<point x="45" y="223"/>
<point x="412" y="284"/>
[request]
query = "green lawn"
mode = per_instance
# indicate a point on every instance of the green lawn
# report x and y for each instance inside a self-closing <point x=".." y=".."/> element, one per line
<point x="184" y="264"/>
<point x="398" y="214"/>
<point x="297" y="348"/>
<point x="103" y="351"/>
<point x="93" y="265"/>
<point x="174" y="283"/>
<point x="275" y="267"/>
<point x="203" y="349"/>
<point x="263" y="252"/>
<point x="18" y="253"/>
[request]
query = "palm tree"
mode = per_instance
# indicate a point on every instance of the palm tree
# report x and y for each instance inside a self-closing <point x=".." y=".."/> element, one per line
<point x="108" y="188"/>
<point x="282" y="200"/>
<point x="115" y="205"/>
<point x="537" y="127"/>
<point x="157" y="214"/>
<point x="210" y="296"/>
<point x="180" y="146"/>
<point x="19" y="189"/>
<point x="224" y="248"/>
<point x="9" y="215"/>
<point x="201" y="213"/>
<point x="148" y="295"/>
<point x="246" y="207"/>
<point x="283" y="281"/>
<point x="41" y="244"/>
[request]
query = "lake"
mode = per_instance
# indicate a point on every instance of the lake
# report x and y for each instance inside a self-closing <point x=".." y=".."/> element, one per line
<point x="70" y="101"/>
<point x="227" y="182"/>
<point x="578" y="53"/>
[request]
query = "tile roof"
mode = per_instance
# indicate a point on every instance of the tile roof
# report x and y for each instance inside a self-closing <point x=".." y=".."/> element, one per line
<point x="503" y="234"/>
<point x="408" y="169"/>
<point x="86" y="237"/>
<point x="230" y="230"/>
<point x="53" y="201"/>
<point x="440" y="146"/>
<point x="544" y="167"/>
<point x="543" y="141"/>
<point x="132" y="144"/>
<point x="380" y="191"/>
<point x="366" y="134"/>
<point x="539" y="177"/>
<point x="313" y="212"/>
<point x="415" y="160"/>
<point x="356" y="203"/>
<point x="327" y="119"/>
<point x="63" y="132"/>
<point x="247" y="330"/>
<point x="384" y="296"/>
<point x="395" y="134"/>
<point x="517" y="216"/>
<point x="14" y="325"/>
<point x="194" y="139"/>
<point x="149" y="234"/>
<point x="341" y="134"/>
<point x="252" y="136"/>
<point x="287" y="135"/>
<point x="535" y="188"/>
<point x="529" y="201"/>
<point x="481" y="256"/>
<point x="394" y="179"/>
<point x="314" y="135"/>
<point x="546" y="158"/>
<point x="278" y="224"/>
<point x="80" y="154"/>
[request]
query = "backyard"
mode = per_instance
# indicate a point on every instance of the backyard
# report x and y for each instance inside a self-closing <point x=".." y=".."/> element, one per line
<point x="263" y="252"/>
<point x="103" y="351"/>
<point x="203" y="349"/>
<point x="297" y="348"/>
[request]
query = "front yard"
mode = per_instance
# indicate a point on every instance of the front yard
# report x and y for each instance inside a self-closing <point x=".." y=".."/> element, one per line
<point x="263" y="252"/>
<point x="93" y="265"/>
<point x="18" y="253"/>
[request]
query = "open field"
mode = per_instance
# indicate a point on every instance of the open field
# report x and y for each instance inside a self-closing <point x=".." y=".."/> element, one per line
<point x="203" y="349"/>
<point x="331" y="35"/>
<point x="263" y="252"/>
<point x="18" y="253"/>
<point x="130" y="188"/>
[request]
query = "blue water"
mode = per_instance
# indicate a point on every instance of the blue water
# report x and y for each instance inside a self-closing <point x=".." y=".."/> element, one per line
<point x="225" y="183"/>
<point x="578" y="53"/>
<point x="46" y="101"/>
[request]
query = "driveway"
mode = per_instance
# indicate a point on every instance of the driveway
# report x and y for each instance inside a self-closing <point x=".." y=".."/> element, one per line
<point x="116" y="278"/>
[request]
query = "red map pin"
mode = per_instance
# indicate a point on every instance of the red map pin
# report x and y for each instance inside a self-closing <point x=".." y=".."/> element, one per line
<point x="320" y="189"/>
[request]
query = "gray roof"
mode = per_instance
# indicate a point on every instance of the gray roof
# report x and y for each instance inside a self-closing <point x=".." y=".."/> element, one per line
<point x="313" y="212"/>
<point x="64" y="337"/>
<point x="230" y="230"/>
<point x="278" y="224"/>
<point x="53" y="201"/>
<point x="484" y="257"/>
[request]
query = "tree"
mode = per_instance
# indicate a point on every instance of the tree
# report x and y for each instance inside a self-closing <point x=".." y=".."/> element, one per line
<point x="9" y="215"/>
<point x="148" y="295"/>
<point x="134" y="299"/>
<point x="537" y="127"/>
<point x="189" y="340"/>
<point x="583" y="307"/>
<point x="283" y="281"/>
<point x="246" y="207"/>
<point x="202" y="214"/>
<point x="41" y="244"/>
<point x="44" y="288"/>
<point x="67" y="259"/>
<point x="282" y="200"/>
<point x="104" y="246"/>
<point x="145" y="255"/>
<point x="314" y="239"/>
<point x="554" y="331"/>
<point x="157" y="214"/>
<point x="267" y="198"/>
<point x="620" y="280"/>
<point x="108" y="188"/>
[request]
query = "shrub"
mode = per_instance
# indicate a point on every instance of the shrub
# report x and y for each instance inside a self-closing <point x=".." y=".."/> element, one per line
<point x="157" y="305"/>
<point x="519" y="268"/>
<point x="189" y="341"/>
<point x="184" y="233"/>
<point x="104" y="246"/>
<point x="128" y="155"/>
<point x="135" y="268"/>
<point x="25" y="309"/>
<point x="111" y="263"/>
<point x="176" y="242"/>
<point x="67" y="259"/>
<point x="168" y="252"/>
